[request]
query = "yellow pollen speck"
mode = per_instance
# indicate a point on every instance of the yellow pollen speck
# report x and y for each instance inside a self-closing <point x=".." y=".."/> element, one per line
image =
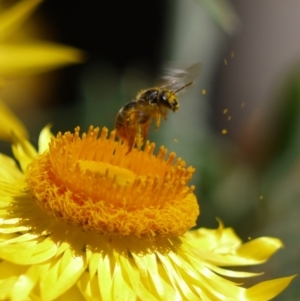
<point x="225" y="62"/>
<point x="225" y="111"/>
<point x="204" y="91"/>
<point x="232" y="54"/>
<point x="261" y="197"/>
<point x="175" y="140"/>
<point x="89" y="181"/>
<point x="224" y="131"/>
<point x="229" y="118"/>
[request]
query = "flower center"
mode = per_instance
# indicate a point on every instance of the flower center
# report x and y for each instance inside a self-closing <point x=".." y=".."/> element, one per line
<point x="89" y="181"/>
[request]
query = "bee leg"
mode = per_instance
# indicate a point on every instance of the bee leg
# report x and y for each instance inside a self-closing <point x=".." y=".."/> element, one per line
<point x="130" y="143"/>
<point x="130" y="135"/>
<point x="157" y="121"/>
<point x="145" y="129"/>
<point x="164" y="113"/>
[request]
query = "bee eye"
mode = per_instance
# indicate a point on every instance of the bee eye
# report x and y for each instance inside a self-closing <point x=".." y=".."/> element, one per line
<point x="164" y="97"/>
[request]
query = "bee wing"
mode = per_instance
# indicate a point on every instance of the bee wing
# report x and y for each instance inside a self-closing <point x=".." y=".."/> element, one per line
<point x="174" y="79"/>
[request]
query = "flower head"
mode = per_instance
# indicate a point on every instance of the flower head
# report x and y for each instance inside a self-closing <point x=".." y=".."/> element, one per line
<point x="83" y="220"/>
<point x="90" y="182"/>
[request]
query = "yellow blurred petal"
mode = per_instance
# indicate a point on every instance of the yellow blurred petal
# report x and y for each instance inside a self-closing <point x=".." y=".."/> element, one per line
<point x="10" y="190"/>
<point x="44" y="139"/>
<point x="228" y="240"/>
<point x="9" y="123"/>
<point x="23" y="151"/>
<point x="9" y="170"/>
<point x="267" y="290"/>
<point x="13" y="17"/>
<point x="36" y="57"/>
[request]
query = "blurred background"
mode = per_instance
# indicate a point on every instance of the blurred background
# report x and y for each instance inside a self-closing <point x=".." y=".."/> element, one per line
<point x="238" y="125"/>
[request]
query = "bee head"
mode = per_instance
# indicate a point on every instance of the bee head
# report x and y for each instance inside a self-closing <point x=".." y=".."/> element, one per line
<point x="169" y="99"/>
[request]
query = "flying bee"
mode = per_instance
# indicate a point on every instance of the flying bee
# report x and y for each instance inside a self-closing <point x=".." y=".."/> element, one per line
<point x="133" y="120"/>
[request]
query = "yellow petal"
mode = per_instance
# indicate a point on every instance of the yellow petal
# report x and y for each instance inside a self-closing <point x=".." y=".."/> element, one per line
<point x="23" y="238"/>
<point x="220" y="239"/>
<point x="93" y="262"/>
<point x="12" y="18"/>
<point x="12" y="229"/>
<point x="63" y="274"/>
<point x="27" y="252"/>
<point x="9" y="274"/>
<point x="223" y="247"/>
<point x="176" y="279"/>
<point x="104" y="278"/>
<point x="89" y="288"/>
<point x="132" y="274"/>
<point x="35" y="57"/>
<point x="121" y="288"/>
<point x="24" y="284"/>
<point x="9" y="123"/>
<point x="73" y="294"/>
<point x="260" y="249"/>
<point x="44" y="139"/>
<point x="152" y="281"/>
<point x="197" y="263"/>
<point x="267" y="290"/>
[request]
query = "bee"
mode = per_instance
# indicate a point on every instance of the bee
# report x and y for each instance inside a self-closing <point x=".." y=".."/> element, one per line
<point x="133" y="120"/>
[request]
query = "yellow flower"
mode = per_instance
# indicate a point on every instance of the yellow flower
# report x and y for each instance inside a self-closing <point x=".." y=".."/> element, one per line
<point x="26" y="58"/>
<point x="81" y="220"/>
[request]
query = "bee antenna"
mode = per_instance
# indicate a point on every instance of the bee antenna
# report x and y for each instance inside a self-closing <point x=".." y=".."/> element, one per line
<point x="188" y="84"/>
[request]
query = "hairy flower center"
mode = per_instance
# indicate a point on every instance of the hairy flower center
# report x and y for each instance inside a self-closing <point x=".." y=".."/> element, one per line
<point x="89" y="181"/>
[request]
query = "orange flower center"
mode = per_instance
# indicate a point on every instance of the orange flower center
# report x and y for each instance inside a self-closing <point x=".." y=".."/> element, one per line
<point x="89" y="181"/>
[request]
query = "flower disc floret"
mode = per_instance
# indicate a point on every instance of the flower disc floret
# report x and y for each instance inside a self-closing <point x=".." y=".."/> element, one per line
<point x="89" y="181"/>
